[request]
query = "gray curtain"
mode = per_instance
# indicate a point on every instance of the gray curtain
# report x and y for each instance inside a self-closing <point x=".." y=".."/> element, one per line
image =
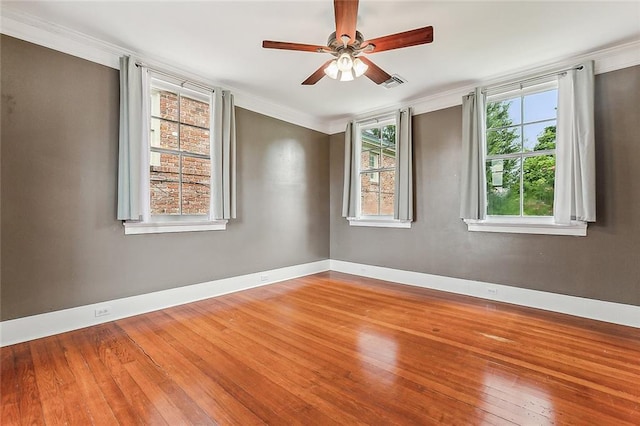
<point x="223" y="198"/>
<point x="403" y="205"/>
<point x="575" y="182"/>
<point x="472" y="177"/>
<point x="349" y="189"/>
<point x="130" y="153"/>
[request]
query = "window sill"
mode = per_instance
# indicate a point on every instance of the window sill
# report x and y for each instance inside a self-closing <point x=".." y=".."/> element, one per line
<point x="379" y="222"/>
<point x="136" y="228"/>
<point x="517" y="226"/>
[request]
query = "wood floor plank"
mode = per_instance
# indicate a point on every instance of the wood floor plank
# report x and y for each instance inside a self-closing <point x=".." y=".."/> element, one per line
<point x="148" y="375"/>
<point x="374" y="366"/>
<point x="9" y="388"/>
<point x="88" y="343"/>
<point x="344" y="383"/>
<point x="115" y="354"/>
<point x="330" y="348"/>
<point x="218" y="363"/>
<point x="208" y="394"/>
<point x="523" y="358"/>
<point x="88" y="388"/>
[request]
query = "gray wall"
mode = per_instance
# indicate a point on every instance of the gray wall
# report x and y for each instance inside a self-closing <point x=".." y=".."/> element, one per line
<point x="61" y="244"/>
<point x="604" y="265"/>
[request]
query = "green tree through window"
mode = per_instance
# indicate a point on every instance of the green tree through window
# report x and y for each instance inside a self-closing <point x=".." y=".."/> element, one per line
<point x="512" y="169"/>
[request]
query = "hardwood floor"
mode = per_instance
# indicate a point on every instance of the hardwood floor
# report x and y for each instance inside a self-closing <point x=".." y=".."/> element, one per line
<point x="330" y="349"/>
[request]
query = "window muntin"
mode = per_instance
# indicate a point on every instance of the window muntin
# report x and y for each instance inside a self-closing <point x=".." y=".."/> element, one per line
<point x="377" y="144"/>
<point x="520" y="152"/>
<point x="180" y="152"/>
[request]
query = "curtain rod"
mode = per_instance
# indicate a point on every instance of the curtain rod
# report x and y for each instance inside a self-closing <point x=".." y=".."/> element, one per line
<point x="528" y="80"/>
<point x="177" y="77"/>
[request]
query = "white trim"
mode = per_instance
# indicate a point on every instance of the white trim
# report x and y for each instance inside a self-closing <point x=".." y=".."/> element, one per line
<point x="44" y="33"/>
<point x="35" y="30"/>
<point x="137" y="228"/>
<point x="379" y="223"/>
<point x="606" y="60"/>
<point x="617" y="313"/>
<point x="576" y="228"/>
<point x="42" y="325"/>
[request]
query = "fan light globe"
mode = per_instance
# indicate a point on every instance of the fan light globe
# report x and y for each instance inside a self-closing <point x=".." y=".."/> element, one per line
<point x="345" y="62"/>
<point x="347" y="75"/>
<point x="332" y="70"/>
<point x="359" y="67"/>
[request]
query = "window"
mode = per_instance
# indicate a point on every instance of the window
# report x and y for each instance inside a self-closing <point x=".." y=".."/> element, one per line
<point x="179" y="174"/>
<point x="529" y="156"/>
<point x="372" y="185"/>
<point x="180" y="152"/>
<point x="377" y="168"/>
<point x="520" y="155"/>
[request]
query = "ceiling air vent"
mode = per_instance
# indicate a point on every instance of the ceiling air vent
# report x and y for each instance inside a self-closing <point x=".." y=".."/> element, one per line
<point x="394" y="81"/>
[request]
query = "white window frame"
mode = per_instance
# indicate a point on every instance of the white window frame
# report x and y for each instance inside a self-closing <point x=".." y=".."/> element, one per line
<point x="151" y="224"/>
<point x="523" y="224"/>
<point x="376" y="221"/>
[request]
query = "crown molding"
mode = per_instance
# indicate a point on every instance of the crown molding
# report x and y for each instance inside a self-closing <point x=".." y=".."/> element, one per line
<point x="606" y="60"/>
<point x="53" y="36"/>
<point x="34" y="30"/>
<point x="63" y="39"/>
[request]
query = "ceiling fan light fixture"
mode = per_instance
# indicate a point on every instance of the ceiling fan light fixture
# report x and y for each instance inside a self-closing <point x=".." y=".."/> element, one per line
<point x="347" y="75"/>
<point x="345" y="62"/>
<point x="359" y="67"/>
<point x="332" y="70"/>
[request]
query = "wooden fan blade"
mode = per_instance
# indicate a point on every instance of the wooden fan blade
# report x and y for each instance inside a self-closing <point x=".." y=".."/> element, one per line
<point x="399" y="40"/>
<point x="268" y="44"/>
<point x="374" y="72"/>
<point x="317" y="75"/>
<point x="346" y="13"/>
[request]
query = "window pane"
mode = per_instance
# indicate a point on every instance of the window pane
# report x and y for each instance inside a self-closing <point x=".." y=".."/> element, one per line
<point x="163" y="134"/>
<point x="540" y="136"/>
<point x="504" y="113"/>
<point x="541" y="106"/>
<point x="389" y="135"/>
<point x="369" y="159"/>
<point x="194" y="139"/>
<point x="194" y="112"/>
<point x="371" y="134"/>
<point x="503" y="187"/>
<point x="370" y="182"/>
<point x="196" y="185"/>
<point x="165" y="184"/>
<point x="388" y="159"/>
<point x="386" y="206"/>
<point x="538" y="183"/>
<point x="370" y="141"/>
<point x="387" y="190"/>
<point x="504" y="141"/>
<point x="164" y="104"/>
<point x="369" y="203"/>
<point x="388" y="182"/>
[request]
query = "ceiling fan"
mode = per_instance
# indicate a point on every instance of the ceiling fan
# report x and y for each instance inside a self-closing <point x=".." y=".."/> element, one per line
<point x="346" y="44"/>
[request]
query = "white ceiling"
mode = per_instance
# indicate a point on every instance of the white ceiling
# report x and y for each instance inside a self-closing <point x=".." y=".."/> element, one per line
<point x="221" y="42"/>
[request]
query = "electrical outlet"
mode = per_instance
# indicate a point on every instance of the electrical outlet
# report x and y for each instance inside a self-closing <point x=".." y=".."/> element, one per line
<point x="103" y="311"/>
<point x="264" y="278"/>
<point x="492" y="291"/>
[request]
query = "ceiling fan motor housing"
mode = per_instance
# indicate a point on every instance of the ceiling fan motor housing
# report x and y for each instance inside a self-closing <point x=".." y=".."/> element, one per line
<point x="338" y="47"/>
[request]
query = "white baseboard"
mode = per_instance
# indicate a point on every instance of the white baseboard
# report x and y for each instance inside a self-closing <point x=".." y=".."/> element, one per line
<point x="48" y="324"/>
<point x="617" y="313"/>
<point x="42" y="325"/>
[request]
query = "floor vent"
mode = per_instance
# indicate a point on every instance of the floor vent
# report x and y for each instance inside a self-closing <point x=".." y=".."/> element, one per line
<point x="394" y="81"/>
